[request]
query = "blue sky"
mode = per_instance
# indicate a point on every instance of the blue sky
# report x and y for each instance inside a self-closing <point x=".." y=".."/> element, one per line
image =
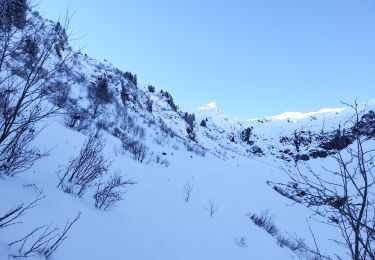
<point x="254" y="58"/>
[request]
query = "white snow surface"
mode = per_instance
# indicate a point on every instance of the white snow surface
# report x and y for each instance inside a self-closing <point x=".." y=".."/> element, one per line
<point x="154" y="221"/>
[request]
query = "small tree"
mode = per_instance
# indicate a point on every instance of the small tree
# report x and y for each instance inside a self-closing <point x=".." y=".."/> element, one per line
<point x="190" y="124"/>
<point x="100" y="94"/>
<point x="149" y="105"/>
<point x="12" y="14"/>
<point x="151" y="88"/>
<point x="27" y="70"/>
<point x="246" y="135"/>
<point x="132" y="78"/>
<point x="169" y="100"/>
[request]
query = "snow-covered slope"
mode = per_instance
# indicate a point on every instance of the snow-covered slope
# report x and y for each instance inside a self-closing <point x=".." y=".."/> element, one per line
<point x="154" y="221"/>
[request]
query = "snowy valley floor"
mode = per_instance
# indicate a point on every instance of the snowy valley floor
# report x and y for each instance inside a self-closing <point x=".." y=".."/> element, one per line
<point x="154" y="221"/>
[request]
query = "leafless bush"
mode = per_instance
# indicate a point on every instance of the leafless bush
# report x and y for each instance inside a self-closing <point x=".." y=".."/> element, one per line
<point x="43" y="240"/>
<point x="109" y="193"/>
<point x="296" y="245"/>
<point x="198" y="150"/>
<point x="241" y="242"/>
<point x="76" y="117"/>
<point x="85" y="168"/>
<point x="127" y="123"/>
<point x="102" y="124"/>
<point x="159" y="140"/>
<point x="166" y="130"/>
<point x="138" y="131"/>
<point x="160" y="160"/>
<point x="265" y="221"/>
<point x="136" y="148"/>
<point x="211" y="208"/>
<point x="27" y="68"/>
<point x="17" y="154"/>
<point x="59" y="93"/>
<point x="343" y="196"/>
<point x="187" y="189"/>
<point x="12" y="216"/>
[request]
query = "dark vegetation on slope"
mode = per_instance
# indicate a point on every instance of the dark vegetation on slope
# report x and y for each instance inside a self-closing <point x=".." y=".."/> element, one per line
<point x="324" y="144"/>
<point x="343" y="195"/>
<point x="38" y="71"/>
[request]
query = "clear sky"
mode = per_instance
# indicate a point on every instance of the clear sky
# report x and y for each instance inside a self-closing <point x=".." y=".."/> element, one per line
<point x="253" y="57"/>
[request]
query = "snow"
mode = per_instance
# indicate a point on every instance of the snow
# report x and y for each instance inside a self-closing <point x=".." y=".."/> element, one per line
<point x="211" y="105"/>
<point x="301" y="115"/>
<point x="154" y="221"/>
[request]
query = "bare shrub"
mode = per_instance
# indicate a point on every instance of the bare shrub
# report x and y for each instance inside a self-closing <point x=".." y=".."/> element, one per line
<point x="27" y="69"/>
<point x="198" y="150"/>
<point x="241" y="242"/>
<point x="12" y="216"/>
<point x="127" y="123"/>
<point x="85" y="168"/>
<point x="43" y="240"/>
<point x="265" y="221"/>
<point x="343" y="195"/>
<point x="110" y="192"/>
<point x="99" y="94"/>
<point x="76" y="117"/>
<point x="186" y="190"/>
<point x="59" y="92"/>
<point x="211" y="208"/>
<point x="166" y="130"/>
<point x="138" y="131"/>
<point x="17" y="154"/>
<point x="159" y="140"/>
<point x="136" y="148"/>
<point x="296" y="245"/>
<point x="163" y="161"/>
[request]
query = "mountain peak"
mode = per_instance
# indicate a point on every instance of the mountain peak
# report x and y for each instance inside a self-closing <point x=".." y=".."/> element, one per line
<point x="209" y="106"/>
<point x="303" y="115"/>
<point x="299" y="115"/>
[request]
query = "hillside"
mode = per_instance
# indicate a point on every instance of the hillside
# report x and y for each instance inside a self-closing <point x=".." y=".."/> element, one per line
<point x="194" y="182"/>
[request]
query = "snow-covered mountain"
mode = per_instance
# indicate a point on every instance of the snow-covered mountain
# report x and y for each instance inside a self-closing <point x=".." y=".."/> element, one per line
<point x="196" y="180"/>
